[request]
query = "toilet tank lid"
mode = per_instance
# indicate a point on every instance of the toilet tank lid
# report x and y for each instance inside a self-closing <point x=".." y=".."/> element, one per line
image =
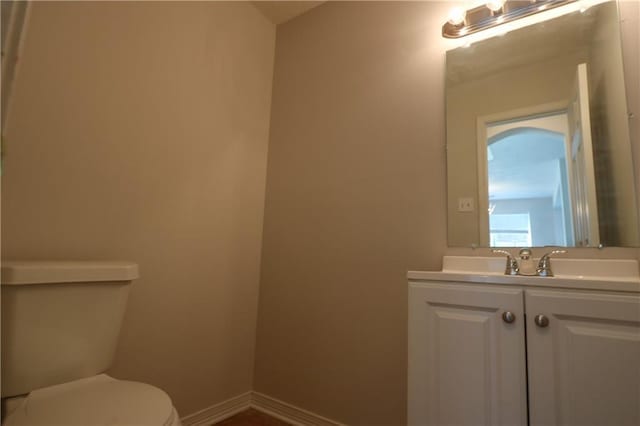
<point x="44" y="272"/>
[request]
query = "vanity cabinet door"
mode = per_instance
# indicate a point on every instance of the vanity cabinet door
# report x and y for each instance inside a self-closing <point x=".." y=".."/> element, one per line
<point x="584" y="358"/>
<point x="466" y="363"/>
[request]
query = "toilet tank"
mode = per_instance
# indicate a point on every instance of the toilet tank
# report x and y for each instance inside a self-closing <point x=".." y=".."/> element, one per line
<point x="60" y="320"/>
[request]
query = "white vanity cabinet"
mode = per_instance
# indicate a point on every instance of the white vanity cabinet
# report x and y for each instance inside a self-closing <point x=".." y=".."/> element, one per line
<point x="478" y="356"/>
<point x="467" y="366"/>
<point x="584" y="366"/>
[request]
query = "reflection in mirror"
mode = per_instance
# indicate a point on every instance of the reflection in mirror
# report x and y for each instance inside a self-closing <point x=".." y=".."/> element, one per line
<point x="538" y="136"/>
<point x="532" y="194"/>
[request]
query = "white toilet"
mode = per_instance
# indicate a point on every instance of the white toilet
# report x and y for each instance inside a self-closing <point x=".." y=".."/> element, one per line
<point x="60" y="326"/>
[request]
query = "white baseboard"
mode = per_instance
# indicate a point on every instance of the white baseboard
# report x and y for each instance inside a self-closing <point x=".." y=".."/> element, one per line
<point x="287" y="412"/>
<point x="218" y="412"/>
<point x="261" y="402"/>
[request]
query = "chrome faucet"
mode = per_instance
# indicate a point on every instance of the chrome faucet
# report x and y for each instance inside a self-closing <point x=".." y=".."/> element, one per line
<point x="526" y="266"/>
<point x="544" y="265"/>
<point x="512" y="265"/>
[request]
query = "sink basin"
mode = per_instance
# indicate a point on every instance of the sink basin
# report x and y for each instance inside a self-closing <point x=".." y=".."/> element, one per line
<point x="604" y="269"/>
<point x="615" y="274"/>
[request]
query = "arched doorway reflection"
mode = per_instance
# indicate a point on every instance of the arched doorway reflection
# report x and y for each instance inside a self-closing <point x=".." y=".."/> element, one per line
<point x="528" y="186"/>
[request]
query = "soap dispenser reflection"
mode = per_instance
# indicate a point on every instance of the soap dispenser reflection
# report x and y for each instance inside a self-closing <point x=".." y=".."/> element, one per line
<point x="527" y="265"/>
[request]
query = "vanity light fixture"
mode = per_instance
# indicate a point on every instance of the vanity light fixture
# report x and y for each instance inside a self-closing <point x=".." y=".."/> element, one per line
<point x="494" y="12"/>
<point x="456" y="16"/>
<point x="495" y="5"/>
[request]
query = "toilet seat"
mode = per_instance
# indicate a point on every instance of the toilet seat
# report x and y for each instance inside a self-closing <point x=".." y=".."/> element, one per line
<point x="98" y="400"/>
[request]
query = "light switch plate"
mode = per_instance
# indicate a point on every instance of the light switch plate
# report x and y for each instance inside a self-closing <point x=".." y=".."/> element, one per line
<point x="465" y="204"/>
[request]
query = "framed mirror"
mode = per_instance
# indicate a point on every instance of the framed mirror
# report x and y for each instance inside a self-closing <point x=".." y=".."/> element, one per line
<point x="538" y="145"/>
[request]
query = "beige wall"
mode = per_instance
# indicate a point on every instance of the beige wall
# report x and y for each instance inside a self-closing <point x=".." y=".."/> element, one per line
<point x="151" y="120"/>
<point x="139" y="131"/>
<point x="355" y="197"/>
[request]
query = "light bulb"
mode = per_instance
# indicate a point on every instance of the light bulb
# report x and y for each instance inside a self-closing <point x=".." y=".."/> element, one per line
<point x="457" y="15"/>
<point x="495" y="5"/>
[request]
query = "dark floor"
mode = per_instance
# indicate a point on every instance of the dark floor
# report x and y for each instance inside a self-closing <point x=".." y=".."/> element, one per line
<point x="252" y="417"/>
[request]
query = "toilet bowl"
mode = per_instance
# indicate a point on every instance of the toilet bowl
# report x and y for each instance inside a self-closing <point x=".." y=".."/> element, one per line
<point x="60" y="325"/>
<point x="97" y="400"/>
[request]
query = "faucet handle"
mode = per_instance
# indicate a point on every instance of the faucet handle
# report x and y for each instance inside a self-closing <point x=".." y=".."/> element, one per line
<point x="544" y="265"/>
<point x="512" y="265"/>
